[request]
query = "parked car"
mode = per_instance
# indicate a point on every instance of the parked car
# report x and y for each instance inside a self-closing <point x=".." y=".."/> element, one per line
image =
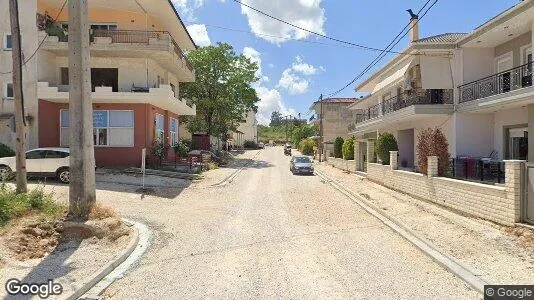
<point x="301" y="165"/>
<point x="261" y="145"/>
<point x="41" y="162"/>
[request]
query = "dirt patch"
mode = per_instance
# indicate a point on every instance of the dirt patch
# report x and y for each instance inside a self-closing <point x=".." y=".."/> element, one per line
<point x="33" y="237"/>
<point x="524" y="236"/>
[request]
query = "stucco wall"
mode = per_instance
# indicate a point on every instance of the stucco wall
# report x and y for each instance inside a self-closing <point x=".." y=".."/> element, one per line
<point x="474" y="134"/>
<point x="516" y="116"/>
<point x="347" y="165"/>
<point x="514" y="46"/>
<point x="477" y="63"/>
<point x="489" y="202"/>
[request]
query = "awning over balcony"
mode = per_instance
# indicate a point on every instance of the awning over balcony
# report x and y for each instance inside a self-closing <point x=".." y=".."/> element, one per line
<point x="396" y="77"/>
<point x="436" y="72"/>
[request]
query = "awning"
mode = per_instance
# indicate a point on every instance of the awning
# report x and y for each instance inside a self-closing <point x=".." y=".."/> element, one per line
<point x="436" y="72"/>
<point x="394" y="78"/>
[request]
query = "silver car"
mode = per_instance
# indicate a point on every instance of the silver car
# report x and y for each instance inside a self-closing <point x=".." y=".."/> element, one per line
<point x="301" y="165"/>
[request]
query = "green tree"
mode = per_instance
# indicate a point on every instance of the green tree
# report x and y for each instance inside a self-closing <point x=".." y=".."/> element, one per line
<point x="222" y="89"/>
<point x="276" y="119"/>
<point x="386" y="142"/>
<point x="306" y="146"/>
<point x="301" y="131"/>
<point x="348" y="148"/>
<point x="338" y="147"/>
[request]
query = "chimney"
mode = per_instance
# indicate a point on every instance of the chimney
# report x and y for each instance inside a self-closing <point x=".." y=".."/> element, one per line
<point x="414" y="26"/>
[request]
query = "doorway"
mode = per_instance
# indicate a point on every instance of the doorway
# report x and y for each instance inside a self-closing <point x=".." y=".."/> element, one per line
<point x="105" y="77"/>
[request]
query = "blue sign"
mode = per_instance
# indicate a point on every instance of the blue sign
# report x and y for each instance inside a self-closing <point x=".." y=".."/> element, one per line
<point x="100" y="118"/>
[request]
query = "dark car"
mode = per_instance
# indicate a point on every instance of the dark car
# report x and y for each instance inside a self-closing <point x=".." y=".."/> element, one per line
<point x="301" y="165"/>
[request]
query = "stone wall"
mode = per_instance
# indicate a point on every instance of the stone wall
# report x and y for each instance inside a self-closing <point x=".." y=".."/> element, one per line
<point x="346" y="165"/>
<point x="500" y="204"/>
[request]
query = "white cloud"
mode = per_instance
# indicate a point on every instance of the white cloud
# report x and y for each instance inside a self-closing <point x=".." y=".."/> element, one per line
<point x="187" y="8"/>
<point x="292" y="78"/>
<point x="199" y="33"/>
<point x="303" y="13"/>
<point x="270" y="100"/>
<point x="255" y="56"/>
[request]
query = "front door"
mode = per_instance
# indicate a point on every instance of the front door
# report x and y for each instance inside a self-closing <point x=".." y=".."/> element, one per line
<point x="504" y="77"/>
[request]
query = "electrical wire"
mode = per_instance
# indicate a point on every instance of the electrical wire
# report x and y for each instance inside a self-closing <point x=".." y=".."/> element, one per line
<point x="394" y="42"/>
<point x="42" y="41"/>
<point x="323" y="35"/>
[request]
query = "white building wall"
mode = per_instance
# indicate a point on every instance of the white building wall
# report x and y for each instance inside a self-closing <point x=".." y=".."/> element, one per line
<point x="474" y="134"/>
<point x="504" y="118"/>
<point x="477" y="63"/>
<point x="250" y="127"/>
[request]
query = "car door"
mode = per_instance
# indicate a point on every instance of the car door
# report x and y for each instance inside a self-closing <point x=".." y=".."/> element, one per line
<point x="53" y="161"/>
<point x="34" y="160"/>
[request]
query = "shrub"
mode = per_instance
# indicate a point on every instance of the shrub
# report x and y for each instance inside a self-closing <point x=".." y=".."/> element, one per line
<point x="5" y="151"/>
<point x="13" y="205"/>
<point x="338" y="147"/>
<point x="159" y="150"/>
<point x="250" y="145"/>
<point x="432" y="142"/>
<point x="306" y="147"/>
<point x="348" y="149"/>
<point x="182" y="148"/>
<point x="386" y="142"/>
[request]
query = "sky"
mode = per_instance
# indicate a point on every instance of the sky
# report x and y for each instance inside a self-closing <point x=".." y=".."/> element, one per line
<point x="296" y="67"/>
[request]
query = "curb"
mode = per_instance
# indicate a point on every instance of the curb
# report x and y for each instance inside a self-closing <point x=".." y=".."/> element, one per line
<point x="421" y="243"/>
<point x="97" y="276"/>
<point x="234" y="174"/>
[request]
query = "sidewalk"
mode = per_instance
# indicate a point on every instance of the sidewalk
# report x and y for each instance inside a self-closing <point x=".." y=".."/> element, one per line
<point x="217" y="175"/>
<point x="500" y="255"/>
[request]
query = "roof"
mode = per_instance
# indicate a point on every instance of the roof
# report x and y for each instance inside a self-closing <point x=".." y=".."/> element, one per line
<point x="334" y="100"/>
<point x="183" y="25"/>
<point x="444" y="38"/>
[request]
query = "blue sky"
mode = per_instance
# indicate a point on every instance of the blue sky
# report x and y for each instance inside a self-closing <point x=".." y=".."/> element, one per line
<point x="295" y="67"/>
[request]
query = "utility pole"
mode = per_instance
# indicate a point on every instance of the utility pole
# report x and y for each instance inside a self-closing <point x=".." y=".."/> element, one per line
<point x="321" y="141"/>
<point x="82" y="159"/>
<point x="20" y="122"/>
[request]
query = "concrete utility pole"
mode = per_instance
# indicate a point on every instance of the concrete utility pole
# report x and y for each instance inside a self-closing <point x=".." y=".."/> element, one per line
<point x="20" y="123"/>
<point x="321" y="141"/>
<point x="82" y="159"/>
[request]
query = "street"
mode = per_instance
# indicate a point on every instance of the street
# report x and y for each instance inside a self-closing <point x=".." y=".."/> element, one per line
<point x="271" y="234"/>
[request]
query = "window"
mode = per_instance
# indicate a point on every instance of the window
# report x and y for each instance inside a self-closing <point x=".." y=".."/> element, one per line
<point x="35" y="154"/>
<point x="56" y="154"/>
<point x="8" y="42"/>
<point x="113" y="128"/>
<point x="64" y="76"/>
<point x="160" y="132"/>
<point x="9" y="91"/>
<point x="173" y="131"/>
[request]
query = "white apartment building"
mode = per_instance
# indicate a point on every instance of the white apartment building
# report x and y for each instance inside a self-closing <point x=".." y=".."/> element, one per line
<point x="137" y="63"/>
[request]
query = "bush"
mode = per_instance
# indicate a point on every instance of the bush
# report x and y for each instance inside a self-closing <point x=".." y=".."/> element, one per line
<point x="432" y="142"/>
<point x="182" y="148"/>
<point x="5" y="151"/>
<point x="159" y="150"/>
<point x="348" y="149"/>
<point x="338" y="147"/>
<point x="250" y="145"/>
<point x="306" y="147"/>
<point x="386" y="142"/>
<point x="13" y="205"/>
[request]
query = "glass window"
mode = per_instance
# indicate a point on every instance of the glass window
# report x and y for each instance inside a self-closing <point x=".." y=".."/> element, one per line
<point x="160" y="132"/>
<point x="64" y="118"/>
<point x="56" y="154"/>
<point x="8" y="42"/>
<point x="121" y="118"/>
<point x="9" y="91"/>
<point x="100" y="118"/>
<point x="100" y="136"/>
<point x="302" y="160"/>
<point x="35" y="154"/>
<point x="173" y="131"/>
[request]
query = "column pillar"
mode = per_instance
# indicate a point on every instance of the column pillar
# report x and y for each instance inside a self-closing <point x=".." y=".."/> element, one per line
<point x="512" y="172"/>
<point x="530" y="156"/>
<point x="357" y="156"/>
<point x="371" y="151"/>
<point x="432" y="168"/>
<point x="394" y="160"/>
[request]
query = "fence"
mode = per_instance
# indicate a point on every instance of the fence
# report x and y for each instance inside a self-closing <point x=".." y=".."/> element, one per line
<point x="477" y="169"/>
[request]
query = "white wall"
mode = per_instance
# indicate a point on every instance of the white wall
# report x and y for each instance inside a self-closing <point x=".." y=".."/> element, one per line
<point x="250" y="127"/>
<point x="477" y="63"/>
<point x="503" y="118"/>
<point x="474" y="134"/>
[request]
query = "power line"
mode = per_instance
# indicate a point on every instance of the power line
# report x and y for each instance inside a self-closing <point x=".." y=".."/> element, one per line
<point x="42" y="41"/>
<point x="392" y="44"/>
<point x="320" y="34"/>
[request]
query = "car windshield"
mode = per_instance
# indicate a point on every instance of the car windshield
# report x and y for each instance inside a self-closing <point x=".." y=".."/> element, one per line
<point x="302" y="159"/>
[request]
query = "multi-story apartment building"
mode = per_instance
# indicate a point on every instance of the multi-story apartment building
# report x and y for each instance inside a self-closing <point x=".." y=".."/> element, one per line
<point x="137" y="63"/>
<point x="246" y="131"/>
<point x="335" y="114"/>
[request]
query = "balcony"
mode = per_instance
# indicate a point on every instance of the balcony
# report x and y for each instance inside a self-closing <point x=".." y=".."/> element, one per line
<point x="399" y="102"/>
<point x="500" y="83"/>
<point x="130" y="43"/>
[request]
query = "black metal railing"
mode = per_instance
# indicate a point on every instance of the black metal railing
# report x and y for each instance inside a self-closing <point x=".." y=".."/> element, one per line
<point x="500" y="83"/>
<point x="401" y="101"/>
<point x="482" y="170"/>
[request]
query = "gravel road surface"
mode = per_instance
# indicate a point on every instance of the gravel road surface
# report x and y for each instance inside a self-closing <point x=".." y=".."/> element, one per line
<point x="270" y="234"/>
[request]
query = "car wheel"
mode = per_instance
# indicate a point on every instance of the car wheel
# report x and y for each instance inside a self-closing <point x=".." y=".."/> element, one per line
<point x="63" y="175"/>
<point x="5" y="173"/>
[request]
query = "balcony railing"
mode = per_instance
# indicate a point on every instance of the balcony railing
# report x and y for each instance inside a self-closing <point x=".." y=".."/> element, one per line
<point x="401" y="101"/>
<point x="500" y="83"/>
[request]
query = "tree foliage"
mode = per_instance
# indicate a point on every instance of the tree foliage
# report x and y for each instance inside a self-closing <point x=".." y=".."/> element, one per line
<point x="432" y="142"/>
<point x="386" y="142"/>
<point x="338" y="147"/>
<point x="222" y="89"/>
<point x="276" y="119"/>
<point x="5" y="151"/>
<point x="306" y="146"/>
<point x="301" y="131"/>
<point x="348" y="148"/>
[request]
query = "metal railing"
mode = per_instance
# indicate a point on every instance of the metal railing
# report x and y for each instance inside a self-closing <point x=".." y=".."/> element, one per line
<point x="500" y="83"/>
<point x="401" y="101"/>
<point x="482" y="170"/>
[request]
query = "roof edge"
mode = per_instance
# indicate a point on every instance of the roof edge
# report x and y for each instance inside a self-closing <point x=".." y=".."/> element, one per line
<point x="181" y="22"/>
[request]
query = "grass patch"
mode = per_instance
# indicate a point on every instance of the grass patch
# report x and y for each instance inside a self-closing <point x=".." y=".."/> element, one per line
<point x="13" y="205"/>
<point x="100" y="212"/>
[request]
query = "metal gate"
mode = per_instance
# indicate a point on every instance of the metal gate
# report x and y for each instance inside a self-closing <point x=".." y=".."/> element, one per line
<point x="527" y="205"/>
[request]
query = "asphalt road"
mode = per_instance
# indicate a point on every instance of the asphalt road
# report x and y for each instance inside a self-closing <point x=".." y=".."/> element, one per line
<point x="271" y="234"/>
